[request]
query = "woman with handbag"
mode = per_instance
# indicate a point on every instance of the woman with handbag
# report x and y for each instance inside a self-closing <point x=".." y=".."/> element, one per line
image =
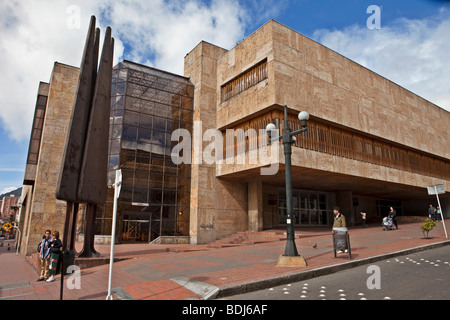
<point x="55" y="245"/>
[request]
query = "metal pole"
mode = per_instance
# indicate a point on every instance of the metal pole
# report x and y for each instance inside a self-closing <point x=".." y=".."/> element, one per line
<point x="291" y="249"/>
<point x="113" y="232"/>
<point x="17" y="240"/>
<point x="442" y="212"/>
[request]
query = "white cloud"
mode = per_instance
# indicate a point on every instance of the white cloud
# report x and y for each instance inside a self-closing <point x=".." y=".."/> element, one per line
<point x="35" y="34"/>
<point x="6" y="190"/>
<point x="412" y="53"/>
<point x="160" y="33"/>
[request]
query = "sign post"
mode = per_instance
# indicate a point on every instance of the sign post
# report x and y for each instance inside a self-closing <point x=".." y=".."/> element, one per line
<point x="117" y="185"/>
<point x="439" y="189"/>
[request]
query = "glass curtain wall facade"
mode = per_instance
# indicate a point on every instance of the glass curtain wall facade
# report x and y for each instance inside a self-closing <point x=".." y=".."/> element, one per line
<point x="147" y="105"/>
<point x="309" y="207"/>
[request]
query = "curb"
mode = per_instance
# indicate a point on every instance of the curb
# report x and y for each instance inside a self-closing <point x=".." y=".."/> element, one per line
<point x="256" y="285"/>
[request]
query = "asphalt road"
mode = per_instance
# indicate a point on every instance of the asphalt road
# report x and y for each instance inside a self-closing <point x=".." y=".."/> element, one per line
<point x="424" y="275"/>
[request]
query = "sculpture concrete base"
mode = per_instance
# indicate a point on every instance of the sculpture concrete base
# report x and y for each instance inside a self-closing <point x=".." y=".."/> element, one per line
<point x="297" y="261"/>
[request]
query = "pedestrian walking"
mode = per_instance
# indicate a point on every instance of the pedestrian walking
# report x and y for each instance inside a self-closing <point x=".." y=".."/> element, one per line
<point x="393" y="214"/>
<point x="55" y="245"/>
<point x="363" y="217"/>
<point x="438" y="214"/>
<point x="44" y="255"/>
<point x="432" y="212"/>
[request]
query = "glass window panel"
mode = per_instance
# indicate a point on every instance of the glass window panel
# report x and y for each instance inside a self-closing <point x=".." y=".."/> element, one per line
<point x="155" y="196"/>
<point x="169" y="197"/>
<point x="146" y="147"/>
<point x="127" y="178"/>
<point x="145" y="120"/>
<point x="167" y="228"/>
<point x="119" y="88"/>
<point x="176" y="113"/>
<point x="119" y="102"/>
<point x="184" y="182"/>
<point x="114" y="146"/>
<point x="169" y="213"/>
<point x="159" y="124"/>
<point x="282" y="216"/>
<point x="129" y="145"/>
<point x="145" y="135"/>
<point x="116" y="131"/>
<point x="184" y="170"/>
<point x="140" y="195"/>
<point x="148" y="107"/>
<point x="304" y="217"/>
<point x="125" y="193"/>
<point x="131" y="118"/>
<point x="133" y="104"/>
<point x="183" y="199"/>
<point x="155" y="213"/>
<point x="186" y="115"/>
<point x="141" y="179"/>
<point x="313" y="202"/>
<point x="314" y="216"/>
<point x="157" y="165"/>
<point x="170" y="182"/>
<point x="111" y="178"/>
<point x="185" y="125"/>
<point x="113" y="162"/>
<point x="129" y="133"/>
<point x="187" y="103"/>
<point x="158" y="138"/>
<point x="156" y="181"/>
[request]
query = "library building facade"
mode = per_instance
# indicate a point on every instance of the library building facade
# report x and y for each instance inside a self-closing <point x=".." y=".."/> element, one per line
<point x="370" y="144"/>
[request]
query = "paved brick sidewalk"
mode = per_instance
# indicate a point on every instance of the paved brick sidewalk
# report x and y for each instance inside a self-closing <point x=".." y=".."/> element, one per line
<point x="178" y="272"/>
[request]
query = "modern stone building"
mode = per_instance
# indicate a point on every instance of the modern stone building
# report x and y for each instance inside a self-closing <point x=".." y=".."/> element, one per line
<point x="370" y="143"/>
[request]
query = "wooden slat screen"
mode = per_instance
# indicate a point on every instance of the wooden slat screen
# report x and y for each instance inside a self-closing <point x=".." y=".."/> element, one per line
<point x="328" y="139"/>
<point x="244" y="81"/>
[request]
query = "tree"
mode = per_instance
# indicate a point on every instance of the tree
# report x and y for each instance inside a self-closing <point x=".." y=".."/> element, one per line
<point x="427" y="226"/>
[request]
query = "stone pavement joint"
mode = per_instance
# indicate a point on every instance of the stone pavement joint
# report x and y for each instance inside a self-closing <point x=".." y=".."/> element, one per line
<point x="204" y="290"/>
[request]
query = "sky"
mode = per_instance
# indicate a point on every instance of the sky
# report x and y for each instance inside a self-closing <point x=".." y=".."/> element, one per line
<point x="406" y="41"/>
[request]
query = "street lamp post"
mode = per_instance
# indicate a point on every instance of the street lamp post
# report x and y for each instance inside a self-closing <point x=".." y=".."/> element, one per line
<point x="288" y="137"/>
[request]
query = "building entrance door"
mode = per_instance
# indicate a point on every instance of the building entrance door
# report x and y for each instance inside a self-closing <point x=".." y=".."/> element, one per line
<point x="135" y="230"/>
<point x="309" y="207"/>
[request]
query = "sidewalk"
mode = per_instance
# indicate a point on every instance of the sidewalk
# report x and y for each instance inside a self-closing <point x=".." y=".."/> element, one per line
<point x="179" y="272"/>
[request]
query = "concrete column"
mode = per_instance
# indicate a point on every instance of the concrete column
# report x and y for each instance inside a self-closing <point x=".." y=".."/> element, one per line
<point x="344" y="199"/>
<point x="255" y="206"/>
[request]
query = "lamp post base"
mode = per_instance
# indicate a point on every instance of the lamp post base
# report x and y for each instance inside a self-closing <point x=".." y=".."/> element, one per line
<point x="296" y="261"/>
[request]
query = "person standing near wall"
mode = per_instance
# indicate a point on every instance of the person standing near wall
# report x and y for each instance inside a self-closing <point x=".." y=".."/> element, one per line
<point x="44" y="255"/>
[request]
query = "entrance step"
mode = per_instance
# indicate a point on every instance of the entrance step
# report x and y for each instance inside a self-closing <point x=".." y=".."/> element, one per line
<point x="248" y="238"/>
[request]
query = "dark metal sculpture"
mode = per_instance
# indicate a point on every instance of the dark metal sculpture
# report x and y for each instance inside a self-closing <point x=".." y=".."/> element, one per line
<point x="83" y="176"/>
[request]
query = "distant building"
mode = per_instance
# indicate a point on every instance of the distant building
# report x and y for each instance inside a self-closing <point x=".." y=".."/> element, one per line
<point x="7" y="207"/>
